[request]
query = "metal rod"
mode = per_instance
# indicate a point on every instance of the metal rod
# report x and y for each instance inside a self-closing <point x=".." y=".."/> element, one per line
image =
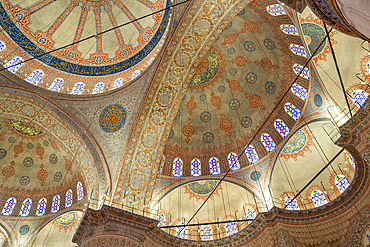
<point x="212" y="223"/>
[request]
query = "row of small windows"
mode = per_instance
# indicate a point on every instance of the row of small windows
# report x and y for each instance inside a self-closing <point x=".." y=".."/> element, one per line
<point x="41" y="206"/>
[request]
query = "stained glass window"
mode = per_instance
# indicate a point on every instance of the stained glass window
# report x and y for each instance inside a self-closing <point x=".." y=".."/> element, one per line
<point x="298" y="50"/>
<point x="78" y="88"/>
<point x="9" y="206"/>
<point x="35" y="77"/>
<point x="182" y="231"/>
<point x="291" y="205"/>
<point x="118" y="83"/>
<point x="1" y="239"/>
<point x="293" y="111"/>
<point x="281" y="127"/>
<point x="276" y="9"/>
<point x="98" y="88"/>
<point x="230" y="228"/>
<point x="161" y="219"/>
<point x="351" y="160"/>
<point x="56" y="204"/>
<point x="206" y="232"/>
<point x="318" y="198"/>
<point x="252" y="155"/>
<point x="41" y="207"/>
<point x="2" y="46"/>
<point x="163" y="161"/>
<point x="359" y="97"/>
<point x="250" y="213"/>
<point x="299" y="91"/>
<point x="56" y="85"/>
<point x="341" y="182"/>
<point x="177" y="168"/>
<point x="289" y="29"/>
<point x="26" y="207"/>
<point x="305" y="73"/>
<point x="214" y="166"/>
<point x="14" y="64"/>
<point x="69" y="198"/>
<point x="80" y="191"/>
<point x="196" y="167"/>
<point x="268" y="142"/>
<point x="135" y="74"/>
<point x="233" y="161"/>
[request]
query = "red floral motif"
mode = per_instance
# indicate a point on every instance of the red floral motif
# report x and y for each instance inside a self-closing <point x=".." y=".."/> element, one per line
<point x="8" y="171"/>
<point x="251" y="27"/>
<point x="40" y="151"/>
<point x="266" y="64"/>
<point x="234" y="85"/>
<point x="54" y="145"/>
<point x="68" y="164"/>
<point x="18" y="149"/>
<point x="226" y="125"/>
<point x="216" y="101"/>
<point x="188" y="131"/>
<point x="2" y="135"/>
<point x="229" y="39"/>
<point x="42" y="174"/>
<point x="240" y="61"/>
<point x="191" y="105"/>
<point x="255" y="101"/>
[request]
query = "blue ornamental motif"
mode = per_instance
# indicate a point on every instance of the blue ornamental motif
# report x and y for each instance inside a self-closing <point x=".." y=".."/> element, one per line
<point x="178" y="115"/>
<point x="221" y="89"/>
<point x="210" y="73"/>
<point x="28" y="162"/>
<point x="24" y="180"/>
<point x="204" y="188"/>
<point x="171" y="134"/>
<point x="2" y="153"/>
<point x="112" y="118"/>
<point x="255" y="176"/>
<point x="317" y="34"/>
<point x="246" y="122"/>
<point x="53" y="159"/>
<point x="317" y="99"/>
<point x="229" y="25"/>
<point x="270" y="87"/>
<point x="251" y="78"/>
<point x="208" y="137"/>
<point x="24" y="229"/>
<point x="269" y="44"/>
<point x="205" y="117"/>
<point x="296" y="143"/>
<point x="249" y="46"/>
<point x="234" y="104"/>
<point x="203" y="97"/>
<point x="231" y="51"/>
<point x="58" y="177"/>
<point x="66" y="219"/>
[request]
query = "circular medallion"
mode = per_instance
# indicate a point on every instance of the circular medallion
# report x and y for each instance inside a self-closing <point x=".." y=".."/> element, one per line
<point x="251" y="78"/>
<point x="46" y="143"/>
<point x="29" y="145"/>
<point x="318" y="101"/>
<point x="203" y="97"/>
<point x="58" y="177"/>
<point x="231" y="51"/>
<point x="269" y="44"/>
<point x="233" y="71"/>
<point x="255" y="175"/>
<point x="11" y="139"/>
<point x="2" y="153"/>
<point x="24" y="180"/>
<point x="112" y="118"/>
<point x="53" y="159"/>
<point x="28" y="162"/>
<point x="249" y="46"/>
<point x="24" y="229"/>
<point x="221" y="89"/>
<point x="208" y="137"/>
<point x="270" y="87"/>
<point x="246" y="122"/>
<point x="234" y="104"/>
<point x="205" y="117"/>
<point x="295" y="143"/>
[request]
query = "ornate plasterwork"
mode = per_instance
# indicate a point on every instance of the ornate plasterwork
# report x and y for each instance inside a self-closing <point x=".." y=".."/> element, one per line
<point x="297" y="145"/>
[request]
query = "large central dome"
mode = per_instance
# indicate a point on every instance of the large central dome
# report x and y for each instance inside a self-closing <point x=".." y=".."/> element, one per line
<point x="43" y="26"/>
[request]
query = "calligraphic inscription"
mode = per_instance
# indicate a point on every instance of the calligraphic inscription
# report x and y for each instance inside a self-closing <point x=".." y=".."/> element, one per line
<point x="112" y="118"/>
<point x="25" y="130"/>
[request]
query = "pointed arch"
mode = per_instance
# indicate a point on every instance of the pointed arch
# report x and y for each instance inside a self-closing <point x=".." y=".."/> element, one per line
<point x="299" y="91"/>
<point x="275" y="9"/>
<point x="298" y="50"/>
<point x="289" y="29"/>
<point x="41" y="207"/>
<point x="99" y="88"/>
<point x="78" y="88"/>
<point x="56" y="204"/>
<point x="196" y="167"/>
<point x="35" y="77"/>
<point x="80" y="191"/>
<point x="234" y="164"/>
<point x="281" y="127"/>
<point x="117" y="83"/>
<point x="252" y="155"/>
<point x="26" y="207"/>
<point x="14" y="64"/>
<point x="9" y="206"/>
<point x="341" y="182"/>
<point x="291" y="205"/>
<point x="359" y="97"/>
<point x="267" y="142"/>
<point x="177" y="167"/>
<point x="292" y="111"/>
<point x="318" y="198"/>
<point x="214" y="166"/>
<point x="56" y="85"/>
<point x="69" y="198"/>
<point x="305" y="73"/>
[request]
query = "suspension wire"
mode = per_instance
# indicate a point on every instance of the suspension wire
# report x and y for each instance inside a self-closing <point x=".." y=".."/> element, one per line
<point x="96" y="35"/>
<point x="210" y="223"/>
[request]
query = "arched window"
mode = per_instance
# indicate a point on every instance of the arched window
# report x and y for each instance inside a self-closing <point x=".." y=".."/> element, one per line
<point x="14" y="64"/>
<point x="230" y="228"/>
<point x="177" y="168"/>
<point x="9" y="206"/>
<point x="281" y="127"/>
<point x="35" y="77"/>
<point x="214" y="166"/>
<point x="275" y="9"/>
<point x="318" y="198"/>
<point x="299" y="91"/>
<point x="56" y="85"/>
<point x="160" y="168"/>
<point x="252" y="155"/>
<point x="250" y="213"/>
<point x="182" y="231"/>
<point x="206" y="232"/>
<point x="161" y="219"/>
<point x="268" y="142"/>
<point x="298" y="50"/>
<point x="292" y="111"/>
<point x="196" y="169"/>
<point x="135" y="74"/>
<point x="305" y="73"/>
<point x="341" y="182"/>
<point x="69" y="198"/>
<point x="41" y="207"/>
<point x="359" y="97"/>
<point x="26" y="207"/>
<point x="78" y="88"/>
<point x="56" y="204"/>
<point x="289" y="29"/>
<point x="351" y="160"/>
<point x="2" y="46"/>
<point x="80" y="191"/>
<point x="234" y="164"/>
<point x="291" y="205"/>
<point x="118" y="83"/>
<point x="98" y="88"/>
